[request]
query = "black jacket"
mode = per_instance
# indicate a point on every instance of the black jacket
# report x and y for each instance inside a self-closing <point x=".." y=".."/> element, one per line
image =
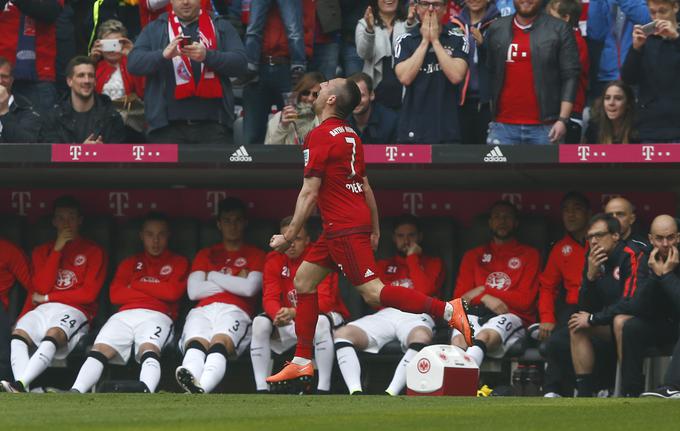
<point x="60" y="123"/>
<point x="612" y="292"/>
<point x="21" y="124"/>
<point x="655" y="70"/>
<point x="658" y="298"/>
<point x="554" y="60"/>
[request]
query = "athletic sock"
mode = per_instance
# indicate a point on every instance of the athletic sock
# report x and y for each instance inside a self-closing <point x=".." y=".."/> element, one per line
<point x="584" y="385"/>
<point x="41" y="359"/>
<point x="324" y="352"/>
<point x="18" y="356"/>
<point x="411" y="301"/>
<point x="307" y="312"/>
<point x="194" y="360"/>
<point x="261" y="352"/>
<point x="399" y="379"/>
<point x="477" y="351"/>
<point x="150" y="372"/>
<point x="90" y="372"/>
<point x="215" y="367"/>
<point x="348" y="361"/>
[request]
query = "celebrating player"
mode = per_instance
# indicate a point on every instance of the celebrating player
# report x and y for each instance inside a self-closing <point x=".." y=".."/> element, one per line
<point x="147" y="287"/>
<point x="225" y="279"/>
<point x="67" y="276"/>
<point x="334" y="175"/>
<point x="275" y="328"/>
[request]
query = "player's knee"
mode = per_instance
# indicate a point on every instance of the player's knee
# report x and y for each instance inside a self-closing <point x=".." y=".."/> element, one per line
<point x="21" y="336"/>
<point x="57" y="335"/>
<point x="224" y="341"/>
<point x="303" y="284"/>
<point x="195" y="344"/>
<point x="421" y="335"/>
<point x="262" y="326"/>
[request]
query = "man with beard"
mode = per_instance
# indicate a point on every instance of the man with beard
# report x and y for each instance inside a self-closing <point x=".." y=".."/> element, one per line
<point x="534" y="69"/>
<point x="83" y="116"/>
<point x="373" y="122"/>
<point x="500" y="281"/>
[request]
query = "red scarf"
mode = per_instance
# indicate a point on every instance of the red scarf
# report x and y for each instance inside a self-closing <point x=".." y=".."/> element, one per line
<point x="209" y="86"/>
<point x="133" y="84"/>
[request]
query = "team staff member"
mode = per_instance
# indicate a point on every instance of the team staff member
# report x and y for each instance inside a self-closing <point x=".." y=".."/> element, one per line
<point x="147" y="287"/>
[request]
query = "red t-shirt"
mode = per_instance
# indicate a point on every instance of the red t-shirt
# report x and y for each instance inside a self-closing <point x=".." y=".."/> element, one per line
<point x="150" y="282"/>
<point x="278" y="289"/>
<point x="73" y="276"/>
<point x="580" y="101"/>
<point x="510" y="273"/>
<point x="217" y="258"/>
<point x="333" y="152"/>
<point x="518" y="103"/>
<point x="13" y="266"/>
<point x="564" y="267"/>
<point x="419" y="272"/>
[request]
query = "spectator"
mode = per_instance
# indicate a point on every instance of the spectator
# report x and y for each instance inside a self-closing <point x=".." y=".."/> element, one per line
<point x="290" y="12"/>
<point x="19" y="122"/>
<point x="290" y="125"/>
<point x="326" y="53"/>
<point x="67" y="276"/>
<point x="83" y="116"/>
<point x="664" y="288"/>
<point x="612" y="117"/>
<point x="533" y="89"/>
<point x="500" y="281"/>
<point x="558" y="287"/>
<point x="653" y="66"/>
<point x="351" y="12"/>
<point x="188" y="58"/>
<point x="570" y="12"/>
<point x="610" y="280"/>
<point x="611" y="22"/>
<point x="274" y="330"/>
<point x="410" y="268"/>
<point x="13" y="267"/>
<point x="32" y="53"/>
<point x="654" y="318"/>
<point x="431" y="61"/>
<point x="384" y="22"/>
<point x="274" y="72"/>
<point x="475" y="112"/>
<point x="624" y="211"/>
<point x="373" y="122"/>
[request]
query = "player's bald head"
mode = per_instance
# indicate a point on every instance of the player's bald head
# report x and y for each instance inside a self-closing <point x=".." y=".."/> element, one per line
<point x="347" y="96"/>
<point x="663" y="223"/>
<point x="619" y="202"/>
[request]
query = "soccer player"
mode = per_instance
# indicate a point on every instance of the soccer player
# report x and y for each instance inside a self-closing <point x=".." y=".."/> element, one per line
<point x="409" y="269"/>
<point x="501" y="279"/>
<point x="13" y="267"/>
<point x="147" y="287"/>
<point x="67" y="276"/>
<point x="225" y="278"/>
<point x="334" y="175"/>
<point x="275" y="328"/>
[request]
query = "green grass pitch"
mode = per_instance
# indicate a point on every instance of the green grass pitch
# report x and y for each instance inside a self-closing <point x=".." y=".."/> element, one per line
<point x="166" y="412"/>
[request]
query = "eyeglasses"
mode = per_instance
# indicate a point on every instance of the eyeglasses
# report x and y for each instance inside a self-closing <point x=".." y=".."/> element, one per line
<point x="426" y="5"/>
<point x="598" y="235"/>
<point x="306" y="93"/>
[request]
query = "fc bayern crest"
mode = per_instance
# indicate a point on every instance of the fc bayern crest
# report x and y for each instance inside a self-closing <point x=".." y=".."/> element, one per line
<point x="167" y="269"/>
<point x="566" y="250"/>
<point x="79" y="260"/>
<point x="424" y="365"/>
<point x="514" y="263"/>
<point x="616" y="273"/>
<point x="240" y="262"/>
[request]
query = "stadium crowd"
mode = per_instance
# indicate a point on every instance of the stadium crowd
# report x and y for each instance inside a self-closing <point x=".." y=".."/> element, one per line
<point x="431" y="71"/>
<point x="605" y="295"/>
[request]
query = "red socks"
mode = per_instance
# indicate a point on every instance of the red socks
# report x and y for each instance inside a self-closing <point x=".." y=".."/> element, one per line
<point x="411" y="301"/>
<point x="305" y="323"/>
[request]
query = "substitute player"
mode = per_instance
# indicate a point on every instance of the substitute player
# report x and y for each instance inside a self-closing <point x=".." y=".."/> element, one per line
<point x="147" y="287"/>
<point x="67" y="276"/>
<point x="225" y="279"/>
<point x="334" y="176"/>
<point x="500" y="279"/>
<point x="274" y="330"/>
<point x="409" y="269"/>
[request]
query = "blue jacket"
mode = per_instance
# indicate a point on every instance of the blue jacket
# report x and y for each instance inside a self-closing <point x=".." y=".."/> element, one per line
<point x="229" y="60"/>
<point x="602" y="27"/>
<point x="478" y="85"/>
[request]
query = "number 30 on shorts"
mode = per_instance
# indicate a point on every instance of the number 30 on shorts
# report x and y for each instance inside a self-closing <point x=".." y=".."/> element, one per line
<point x="502" y="322"/>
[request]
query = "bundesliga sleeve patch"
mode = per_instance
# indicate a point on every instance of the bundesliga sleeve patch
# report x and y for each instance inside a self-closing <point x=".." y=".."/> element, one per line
<point x="305" y="154"/>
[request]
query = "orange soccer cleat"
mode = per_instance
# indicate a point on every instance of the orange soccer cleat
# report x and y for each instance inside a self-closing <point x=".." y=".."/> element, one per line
<point x="299" y="377"/>
<point x="459" y="319"/>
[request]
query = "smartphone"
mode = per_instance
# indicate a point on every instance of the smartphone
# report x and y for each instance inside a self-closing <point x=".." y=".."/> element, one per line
<point x="184" y="41"/>
<point x="649" y="28"/>
<point x="111" y="45"/>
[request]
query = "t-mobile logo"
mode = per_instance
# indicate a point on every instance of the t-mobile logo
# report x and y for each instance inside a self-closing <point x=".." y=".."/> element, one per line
<point x="583" y="152"/>
<point x="648" y="151"/>
<point x="117" y="202"/>
<point x="513" y="52"/>
<point x="21" y="201"/>
<point x="75" y="151"/>
<point x="391" y="153"/>
<point x="138" y="151"/>
<point x="412" y="202"/>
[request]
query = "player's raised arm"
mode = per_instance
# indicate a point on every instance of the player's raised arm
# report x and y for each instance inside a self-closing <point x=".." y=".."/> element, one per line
<point x="304" y="206"/>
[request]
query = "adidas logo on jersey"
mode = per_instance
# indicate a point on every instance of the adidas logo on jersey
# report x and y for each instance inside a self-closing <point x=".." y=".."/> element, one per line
<point x="368" y="273"/>
<point x="240" y="155"/>
<point x="495" y="155"/>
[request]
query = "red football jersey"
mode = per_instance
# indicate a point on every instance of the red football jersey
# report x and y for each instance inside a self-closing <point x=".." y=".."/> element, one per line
<point x="565" y="267"/>
<point x="510" y="273"/>
<point x="278" y="290"/>
<point x="334" y="152"/>
<point x="422" y="273"/>
<point x="580" y="101"/>
<point x="73" y="276"/>
<point x="217" y="258"/>
<point x="150" y="282"/>
<point x="13" y="266"/>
